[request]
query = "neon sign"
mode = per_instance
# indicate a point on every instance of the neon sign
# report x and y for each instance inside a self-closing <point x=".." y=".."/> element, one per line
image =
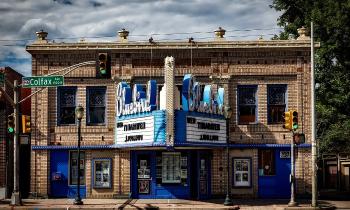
<point x="191" y="97"/>
<point x="138" y="100"/>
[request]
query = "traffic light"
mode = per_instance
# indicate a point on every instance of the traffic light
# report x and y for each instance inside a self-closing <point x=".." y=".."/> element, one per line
<point x="103" y="67"/>
<point x="25" y="124"/>
<point x="295" y="119"/>
<point x="11" y="123"/>
<point x="287" y="120"/>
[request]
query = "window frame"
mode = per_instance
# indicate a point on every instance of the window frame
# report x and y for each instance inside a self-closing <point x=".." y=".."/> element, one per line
<point x="69" y="168"/>
<point x="89" y="89"/>
<point x="249" y="159"/>
<point x="58" y="105"/>
<point x="273" y="152"/>
<point x="256" y="104"/>
<point x="173" y="181"/>
<point x="93" y="172"/>
<point x="285" y="86"/>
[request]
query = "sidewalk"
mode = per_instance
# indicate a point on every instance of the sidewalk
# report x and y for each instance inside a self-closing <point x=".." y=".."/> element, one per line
<point x="98" y="204"/>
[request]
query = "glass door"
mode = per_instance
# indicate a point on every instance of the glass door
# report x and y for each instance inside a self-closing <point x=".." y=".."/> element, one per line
<point x="144" y="174"/>
<point x="204" y="175"/>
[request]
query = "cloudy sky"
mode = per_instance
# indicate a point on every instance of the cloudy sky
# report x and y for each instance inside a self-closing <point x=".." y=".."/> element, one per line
<point x="99" y="20"/>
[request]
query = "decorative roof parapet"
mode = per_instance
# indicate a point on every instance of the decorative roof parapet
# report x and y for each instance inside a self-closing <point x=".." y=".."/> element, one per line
<point x="41" y="37"/>
<point x="219" y="34"/>
<point x="123" y="35"/>
<point x="302" y="34"/>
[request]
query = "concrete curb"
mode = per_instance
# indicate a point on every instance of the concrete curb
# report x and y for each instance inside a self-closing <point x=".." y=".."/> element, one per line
<point x="321" y="207"/>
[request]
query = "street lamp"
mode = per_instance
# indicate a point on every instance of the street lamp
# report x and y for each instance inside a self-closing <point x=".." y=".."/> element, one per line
<point x="228" y="114"/>
<point x="79" y="113"/>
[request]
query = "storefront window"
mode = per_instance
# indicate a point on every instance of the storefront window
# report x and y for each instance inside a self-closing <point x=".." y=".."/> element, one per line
<point x="171" y="172"/>
<point x="266" y="162"/>
<point x="73" y="168"/>
<point x="102" y="173"/>
<point x="241" y="172"/>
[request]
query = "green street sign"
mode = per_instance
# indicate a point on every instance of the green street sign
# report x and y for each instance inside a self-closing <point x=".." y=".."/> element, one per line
<point x="42" y="81"/>
<point x="2" y="78"/>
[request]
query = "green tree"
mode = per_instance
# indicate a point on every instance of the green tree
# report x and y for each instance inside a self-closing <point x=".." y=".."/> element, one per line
<point x="332" y="63"/>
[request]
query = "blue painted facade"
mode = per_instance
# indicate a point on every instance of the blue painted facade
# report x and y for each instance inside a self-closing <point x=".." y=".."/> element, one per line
<point x="198" y="183"/>
<point x="156" y="190"/>
<point x="278" y="185"/>
<point x="193" y="187"/>
<point x="59" y="175"/>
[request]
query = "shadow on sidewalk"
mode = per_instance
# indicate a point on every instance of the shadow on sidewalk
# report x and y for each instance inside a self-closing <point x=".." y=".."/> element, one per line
<point x="4" y="201"/>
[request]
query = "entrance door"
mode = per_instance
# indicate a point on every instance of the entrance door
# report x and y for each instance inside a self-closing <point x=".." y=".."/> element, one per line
<point x="345" y="177"/>
<point x="143" y="163"/>
<point x="274" y="170"/>
<point x="331" y="176"/>
<point x="204" y="175"/>
<point x="59" y="173"/>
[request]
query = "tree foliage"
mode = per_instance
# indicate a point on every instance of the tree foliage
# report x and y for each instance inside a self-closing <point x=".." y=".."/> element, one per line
<point x="332" y="63"/>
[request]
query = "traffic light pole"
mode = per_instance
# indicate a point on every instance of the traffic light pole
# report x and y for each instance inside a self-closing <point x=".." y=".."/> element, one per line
<point x="292" y="178"/>
<point x="16" y="198"/>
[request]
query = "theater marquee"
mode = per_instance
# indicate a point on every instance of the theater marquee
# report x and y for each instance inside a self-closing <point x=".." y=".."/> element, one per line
<point x="202" y="129"/>
<point x="138" y="130"/>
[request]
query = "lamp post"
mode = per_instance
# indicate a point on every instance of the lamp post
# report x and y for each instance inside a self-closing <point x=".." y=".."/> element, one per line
<point x="79" y="113"/>
<point x="227" y="114"/>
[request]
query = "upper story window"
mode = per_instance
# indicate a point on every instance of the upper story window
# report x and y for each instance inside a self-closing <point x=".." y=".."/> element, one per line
<point x="66" y="105"/>
<point x="96" y="105"/>
<point x="247" y="104"/>
<point x="276" y="103"/>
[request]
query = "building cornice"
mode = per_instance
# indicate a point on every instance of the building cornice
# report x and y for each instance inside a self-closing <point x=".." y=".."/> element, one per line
<point x="170" y="45"/>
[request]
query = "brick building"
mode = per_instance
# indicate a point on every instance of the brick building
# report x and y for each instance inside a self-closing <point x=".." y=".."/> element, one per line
<point x="6" y="139"/>
<point x="261" y="79"/>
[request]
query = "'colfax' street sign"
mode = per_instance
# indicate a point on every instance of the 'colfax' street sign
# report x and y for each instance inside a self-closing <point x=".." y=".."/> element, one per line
<point x="42" y="81"/>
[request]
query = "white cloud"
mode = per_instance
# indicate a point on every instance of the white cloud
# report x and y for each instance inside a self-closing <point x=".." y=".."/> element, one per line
<point x="91" y="18"/>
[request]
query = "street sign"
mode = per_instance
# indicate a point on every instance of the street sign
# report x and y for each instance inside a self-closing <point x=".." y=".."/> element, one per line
<point x="42" y="81"/>
<point x="2" y="78"/>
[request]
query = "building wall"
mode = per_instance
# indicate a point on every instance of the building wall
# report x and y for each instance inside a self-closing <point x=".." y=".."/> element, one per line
<point x="303" y="171"/>
<point x="231" y="64"/>
<point x="120" y="179"/>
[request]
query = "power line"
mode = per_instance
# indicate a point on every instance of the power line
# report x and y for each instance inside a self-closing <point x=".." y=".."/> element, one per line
<point x="174" y="39"/>
<point x="146" y="35"/>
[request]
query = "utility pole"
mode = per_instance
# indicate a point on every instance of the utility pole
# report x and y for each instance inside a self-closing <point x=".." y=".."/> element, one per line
<point x="16" y="197"/>
<point x="313" y="124"/>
